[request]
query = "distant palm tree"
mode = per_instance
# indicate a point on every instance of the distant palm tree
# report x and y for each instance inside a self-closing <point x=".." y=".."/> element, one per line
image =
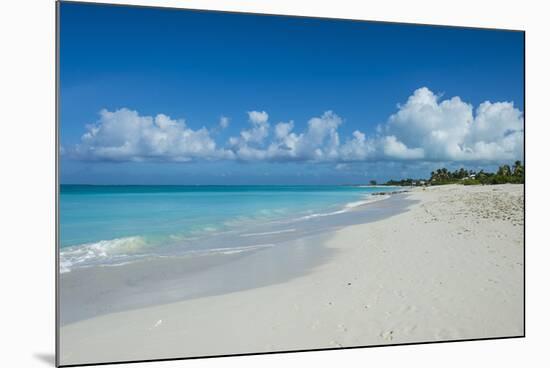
<point x="518" y="169"/>
<point x="504" y="170"/>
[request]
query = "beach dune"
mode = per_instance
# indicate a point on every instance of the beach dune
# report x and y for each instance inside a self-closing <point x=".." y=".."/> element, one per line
<point x="449" y="267"/>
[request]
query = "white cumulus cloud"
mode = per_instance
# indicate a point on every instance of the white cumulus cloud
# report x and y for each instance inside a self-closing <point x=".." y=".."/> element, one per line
<point x="392" y="148"/>
<point x="258" y="131"/>
<point x="319" y="142"/>
<point x="450" y="130"/>
<point x="425" y="128"/>
<point x="224" y="122"/>
<point x="124" y="135"/>
<point x="257" y="117"/>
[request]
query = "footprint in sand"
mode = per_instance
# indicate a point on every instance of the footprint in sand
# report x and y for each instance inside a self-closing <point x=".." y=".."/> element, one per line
<point x="399" y="293"/>
<point x="343" y="328"/>
<point x="409" y="309"/>
<point x="388" y="335"/>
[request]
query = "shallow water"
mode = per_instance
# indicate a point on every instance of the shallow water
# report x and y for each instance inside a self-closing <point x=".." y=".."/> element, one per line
<point x="114" y="225"/>
<point x="95" y="290"/>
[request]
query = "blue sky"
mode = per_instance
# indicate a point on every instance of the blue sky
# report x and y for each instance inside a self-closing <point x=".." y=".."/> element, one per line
<point x="365" y="100"/>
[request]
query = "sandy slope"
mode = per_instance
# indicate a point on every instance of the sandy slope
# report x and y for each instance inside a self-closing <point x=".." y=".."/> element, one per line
<point x="449" y="268"/>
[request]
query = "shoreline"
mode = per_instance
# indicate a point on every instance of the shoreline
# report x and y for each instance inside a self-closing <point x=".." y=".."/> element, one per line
<point x="185" y="230"/>
<point x="450" y="266"/>
<point x="281" y="257"/>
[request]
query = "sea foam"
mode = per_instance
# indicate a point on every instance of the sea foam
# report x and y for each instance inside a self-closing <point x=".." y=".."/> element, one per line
<point x="102" y="252"/>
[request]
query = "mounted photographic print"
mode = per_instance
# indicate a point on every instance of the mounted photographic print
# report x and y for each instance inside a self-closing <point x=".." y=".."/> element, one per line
<point x="233" y="183"/>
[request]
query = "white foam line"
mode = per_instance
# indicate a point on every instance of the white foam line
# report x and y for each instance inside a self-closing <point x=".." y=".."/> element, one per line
<point x="269" y="233"/>
<point x="321" y="214"/>
<point x="348" y="207"/>
<point x="231" y="250"/>
<point x="369" y="199"/>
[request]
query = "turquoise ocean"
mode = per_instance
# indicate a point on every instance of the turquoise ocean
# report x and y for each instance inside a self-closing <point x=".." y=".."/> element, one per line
<point x="115" y="225"/>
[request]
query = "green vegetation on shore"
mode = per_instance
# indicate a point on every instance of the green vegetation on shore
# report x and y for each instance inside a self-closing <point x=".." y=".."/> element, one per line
<point x="505" y="174"/>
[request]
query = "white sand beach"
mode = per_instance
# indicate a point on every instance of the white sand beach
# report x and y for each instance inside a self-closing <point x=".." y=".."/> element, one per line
<point x="450" y="267"/>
